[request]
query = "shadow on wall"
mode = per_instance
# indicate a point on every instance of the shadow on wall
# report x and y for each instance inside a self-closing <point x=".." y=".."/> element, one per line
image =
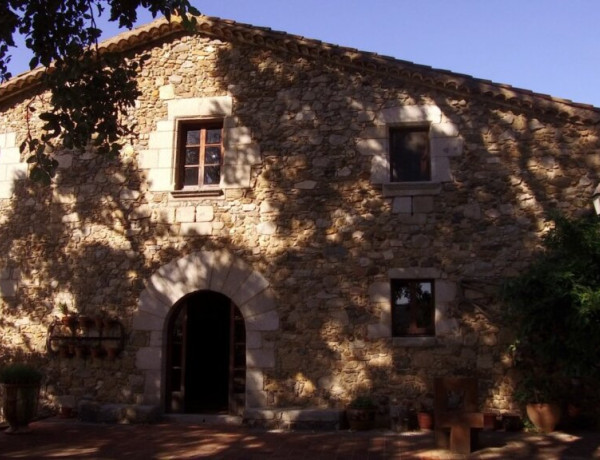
<point x="92" y="238"/>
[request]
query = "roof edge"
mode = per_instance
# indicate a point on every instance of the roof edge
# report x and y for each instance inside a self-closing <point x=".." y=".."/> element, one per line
<point x="349" y="57"/>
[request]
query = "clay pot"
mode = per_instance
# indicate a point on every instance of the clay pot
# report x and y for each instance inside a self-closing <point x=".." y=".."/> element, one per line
<point x="544" y="416"/>
<point x="425" y="420"/>
<point x="96" y="352"/>
<point x="491" y="421"/>
<point x="65" y="412"/>
<point x="69" y="320"/>
<point x="112" y="352"/>
<point x="84" y="321"/>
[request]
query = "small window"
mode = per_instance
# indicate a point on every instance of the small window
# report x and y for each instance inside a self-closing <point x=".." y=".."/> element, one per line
<point x="413" y="308"/>
<point x="409" y="154"/>
<point x="199" y="156"/>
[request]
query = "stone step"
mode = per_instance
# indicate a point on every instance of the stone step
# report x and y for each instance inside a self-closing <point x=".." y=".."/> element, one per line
<point x="209" y="419"/>
<point x="90" y="411"/>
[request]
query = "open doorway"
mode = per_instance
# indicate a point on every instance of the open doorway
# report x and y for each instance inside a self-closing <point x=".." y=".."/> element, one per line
<point x="206" y="356"/>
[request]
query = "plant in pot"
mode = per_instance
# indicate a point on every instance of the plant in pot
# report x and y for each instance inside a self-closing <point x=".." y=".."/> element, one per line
<point x="111" y="347"/>
<point x="361" y="413"/>
<point x="540" y="394"/>
<point x="21" y="387"/>
<point x="553" y="310"/>
<point x="68" y="318"/>
<point x="425" y="417"/>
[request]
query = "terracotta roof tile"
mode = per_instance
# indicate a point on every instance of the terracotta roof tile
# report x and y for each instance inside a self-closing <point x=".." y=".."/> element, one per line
<point x="365" y="61"/>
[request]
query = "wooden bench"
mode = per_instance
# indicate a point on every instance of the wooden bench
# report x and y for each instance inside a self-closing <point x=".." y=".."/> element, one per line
<point x="457" y="422"/>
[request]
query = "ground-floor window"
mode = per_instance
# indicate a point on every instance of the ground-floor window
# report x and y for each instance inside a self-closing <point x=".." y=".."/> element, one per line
<point x="413" y="307"/>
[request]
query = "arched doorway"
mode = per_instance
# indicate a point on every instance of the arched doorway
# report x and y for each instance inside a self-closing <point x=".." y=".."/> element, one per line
<point x="218" y="271"/>
<point x="206" y="355"/>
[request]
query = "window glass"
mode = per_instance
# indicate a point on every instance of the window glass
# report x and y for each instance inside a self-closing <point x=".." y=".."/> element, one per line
<point x="191" y="176"/>
<point x="193" y="137"/>
<point x="200" y="155"/>
<point x="213" y="155"/>
<point x="192" y="156"/>
<point x="212" y="175"/>
<point x="213" y="136"/>
<point x="413" y="308"/>
<point x="409" y="154"/>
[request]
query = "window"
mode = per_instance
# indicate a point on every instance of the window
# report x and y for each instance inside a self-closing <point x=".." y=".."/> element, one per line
<point x="413" y="308"/>
<point x="200" y="155"/>
<point x="410" y="159"/>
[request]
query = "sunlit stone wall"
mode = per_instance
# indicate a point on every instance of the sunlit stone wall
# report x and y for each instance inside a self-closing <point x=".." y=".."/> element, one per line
<point x="313" y="217"/>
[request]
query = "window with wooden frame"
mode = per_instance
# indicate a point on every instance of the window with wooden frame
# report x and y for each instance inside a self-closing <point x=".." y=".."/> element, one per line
<point x="410" y="159"/>
<point x="199" y="155"/>
<point x="413" y="307"/>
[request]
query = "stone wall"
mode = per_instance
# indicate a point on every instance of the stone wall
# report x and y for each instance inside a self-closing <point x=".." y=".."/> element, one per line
<point x="311" y="217"/>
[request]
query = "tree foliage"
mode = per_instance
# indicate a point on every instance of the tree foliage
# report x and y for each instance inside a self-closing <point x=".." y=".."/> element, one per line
<point x="90" y="91"/>
<point x="554" y="307"/>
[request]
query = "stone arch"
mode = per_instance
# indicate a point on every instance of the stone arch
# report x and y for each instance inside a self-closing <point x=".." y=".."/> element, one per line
<point x="218" y="271"/>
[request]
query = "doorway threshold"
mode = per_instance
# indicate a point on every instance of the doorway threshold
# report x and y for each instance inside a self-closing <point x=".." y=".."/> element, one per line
<point x="208" y="419"/>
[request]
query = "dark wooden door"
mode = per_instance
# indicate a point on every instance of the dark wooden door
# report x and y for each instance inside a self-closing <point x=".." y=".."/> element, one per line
<point x="206" y="351"/>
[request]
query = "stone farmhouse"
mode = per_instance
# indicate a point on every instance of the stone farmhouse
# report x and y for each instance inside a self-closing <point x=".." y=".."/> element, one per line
<point x="294" y="224"/>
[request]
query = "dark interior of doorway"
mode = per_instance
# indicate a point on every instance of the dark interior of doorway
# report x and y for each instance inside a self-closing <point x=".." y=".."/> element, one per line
<point x="206" y="361"/>
<point x="207" y="353"/>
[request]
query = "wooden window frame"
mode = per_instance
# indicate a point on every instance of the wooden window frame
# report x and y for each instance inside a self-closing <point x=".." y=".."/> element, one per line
<point x="398" y="156"/>
<point x="182" y="129"/>
<point x="412" y="328"/>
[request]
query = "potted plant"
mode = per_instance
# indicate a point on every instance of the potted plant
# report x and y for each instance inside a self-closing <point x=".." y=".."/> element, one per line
<point x="68" y="319"/>
<point x="111" y="347"/>
<point x="84" y="321"/>
<point x="540" y="395"/>
<point x="361" y="413"/>
<point x="425" y="417"/>
<point x="21" y="386"/>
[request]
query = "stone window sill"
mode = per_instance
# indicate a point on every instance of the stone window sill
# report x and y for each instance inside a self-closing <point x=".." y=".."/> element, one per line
<point x="198" y="193"/>
<point x="416" y="342"/>
<point x="411" y="188"/>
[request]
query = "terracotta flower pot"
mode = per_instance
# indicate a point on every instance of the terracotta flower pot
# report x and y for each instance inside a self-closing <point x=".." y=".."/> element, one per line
<point x="69" y="320"/>
<point x="84" y="321"/>
<point x="544" y="416"/>
<point x="112" y="352"/>
<point x="96" y="352"/>
<point x="425" y="420"/>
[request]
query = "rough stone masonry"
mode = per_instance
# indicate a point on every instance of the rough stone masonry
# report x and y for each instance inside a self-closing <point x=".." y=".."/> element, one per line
<point x="307" y="230"/>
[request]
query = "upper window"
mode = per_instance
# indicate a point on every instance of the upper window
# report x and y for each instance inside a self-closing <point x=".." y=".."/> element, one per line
<point x="410" y="159"/>
<point x="200" y="155"/>
<point x="413" y="308"/>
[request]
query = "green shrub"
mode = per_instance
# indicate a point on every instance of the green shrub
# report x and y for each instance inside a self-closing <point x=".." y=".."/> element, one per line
<point x="20" y="373"/>
<point x="553" y="309"/>
<point x="362" y="402"/>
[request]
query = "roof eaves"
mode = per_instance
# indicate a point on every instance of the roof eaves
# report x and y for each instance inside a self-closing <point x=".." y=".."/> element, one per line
<point x="362" y="60"/>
